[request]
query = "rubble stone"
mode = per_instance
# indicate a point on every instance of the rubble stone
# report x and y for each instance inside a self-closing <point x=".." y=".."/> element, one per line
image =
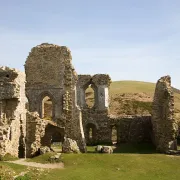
<point x="44" y="150"/>
<point x="107" y="149"/>
<point x="70" y="146"/>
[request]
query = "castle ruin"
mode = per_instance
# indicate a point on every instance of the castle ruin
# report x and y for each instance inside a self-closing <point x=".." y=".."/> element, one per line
<point x="47" y="103"/>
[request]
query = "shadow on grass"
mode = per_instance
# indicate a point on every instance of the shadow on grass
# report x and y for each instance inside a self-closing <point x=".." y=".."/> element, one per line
<point x="145" y="148"/>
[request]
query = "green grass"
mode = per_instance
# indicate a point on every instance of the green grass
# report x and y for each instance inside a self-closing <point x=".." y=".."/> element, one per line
<point x="131" y="87"/>
<point x="7" y="157"/>
<point x="135" y="104"/>
<point x="44" y="159"/>
<point x="117" y="166"/>
<point x="128" y="162"/>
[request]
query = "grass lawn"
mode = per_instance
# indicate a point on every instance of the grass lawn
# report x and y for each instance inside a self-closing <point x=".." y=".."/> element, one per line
<point x="136" y="162"/>
<point x="117" y="166"/>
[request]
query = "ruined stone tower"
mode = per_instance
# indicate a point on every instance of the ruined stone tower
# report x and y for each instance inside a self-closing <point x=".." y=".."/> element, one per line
<point x="49" y="73"/>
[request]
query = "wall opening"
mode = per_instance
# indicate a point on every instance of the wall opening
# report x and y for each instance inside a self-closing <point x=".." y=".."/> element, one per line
<point x="56" y="141"/>
<point x="89" y="96"/>
<point x="47" y="108"/>
<point x="114" y="135"/>
<point x="91" y="133"/>
<point x="53" y="138"/>
<point x="21" y="149"/>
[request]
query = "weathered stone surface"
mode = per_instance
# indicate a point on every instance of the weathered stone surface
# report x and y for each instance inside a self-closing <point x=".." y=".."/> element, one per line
<point x="39" y="133"/>
<point x="12" y="112"/>
<point x="95" y="118"/>
<point x="56" y="158"/>
<point x="165" y="127"/>
<point x="49" y="73"/>
<point x="98" y="148"/>
<point x="107" y="149"/>
<point x="44" y="150"/>
<point x="70" y="146"/>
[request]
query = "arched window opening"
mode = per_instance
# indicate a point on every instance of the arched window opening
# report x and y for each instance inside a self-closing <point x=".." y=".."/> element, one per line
<point x="90" y="133"/>
<point x="114" y="135"/>
<point x="47" y="108"/>
<point x="89" y="96"/>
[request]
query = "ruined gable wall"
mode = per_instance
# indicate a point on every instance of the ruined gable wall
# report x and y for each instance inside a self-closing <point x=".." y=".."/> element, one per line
<point x="12" y="112"/>
<point x="164" y="125"/>
<point x="97" y="116"/>
<point x="49" y="71"/>
<point x="44" y="70"/>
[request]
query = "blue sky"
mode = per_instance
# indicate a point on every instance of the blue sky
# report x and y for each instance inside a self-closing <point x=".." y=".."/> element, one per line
<point x="128" y="39"/>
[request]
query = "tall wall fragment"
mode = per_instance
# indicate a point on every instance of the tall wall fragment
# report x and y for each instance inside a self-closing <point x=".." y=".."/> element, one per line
<point x="12" y="112"/>
<point x="164" y="125"/>
<point x="95" y="118"/>
<point x="49" y="72"/>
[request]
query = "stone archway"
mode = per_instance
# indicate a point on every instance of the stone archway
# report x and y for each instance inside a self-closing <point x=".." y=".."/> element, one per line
<point x="46" y="106"/>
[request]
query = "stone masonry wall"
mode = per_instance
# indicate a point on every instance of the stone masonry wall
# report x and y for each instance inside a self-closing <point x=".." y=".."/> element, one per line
<point x="95" y="118"/>
<point x="12" y="112"/>
<point x="164" y="125"/>
<point x="49" y="72"/>
<point x="132" y="129"/>
<point x="37" y="134"/>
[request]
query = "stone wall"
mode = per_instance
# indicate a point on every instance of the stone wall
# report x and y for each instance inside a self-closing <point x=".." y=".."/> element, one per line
<point x="164" y="125"/>
<point x="49" y="72"/>
<point x="12" y="112"/>
<point x="132" y="129"/>
<point x="39" y="133"/>
<point x="95" y="118"/>
<point x="129" y="128"/>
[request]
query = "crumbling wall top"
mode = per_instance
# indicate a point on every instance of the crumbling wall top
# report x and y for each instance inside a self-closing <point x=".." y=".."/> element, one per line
<point x="10" y="82"/>
<point x="84" y="80"/>
<point x="101" y="79"/>
<point x="45" y="65"/>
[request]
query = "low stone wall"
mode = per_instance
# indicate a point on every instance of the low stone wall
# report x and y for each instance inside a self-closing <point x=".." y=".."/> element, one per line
<point x="100" y="125"/>
<point x="130" y="129"/>
<point x="133" y="129"/>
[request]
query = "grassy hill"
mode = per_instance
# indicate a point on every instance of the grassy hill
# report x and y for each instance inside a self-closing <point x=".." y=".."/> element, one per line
<point x="132" y="97"/>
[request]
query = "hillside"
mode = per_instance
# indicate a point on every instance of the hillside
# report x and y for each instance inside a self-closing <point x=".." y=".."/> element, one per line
<point x="133" y="97"/>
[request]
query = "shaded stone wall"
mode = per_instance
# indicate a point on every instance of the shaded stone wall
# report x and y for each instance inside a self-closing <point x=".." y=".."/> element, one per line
<point x="100" y="124"/>
<point x="12" y="112"/>
<point x="39" y="133"/>
<point x="132" y="129"/>
<point x="164" y="125"/>
<point x="49" y="72"/>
